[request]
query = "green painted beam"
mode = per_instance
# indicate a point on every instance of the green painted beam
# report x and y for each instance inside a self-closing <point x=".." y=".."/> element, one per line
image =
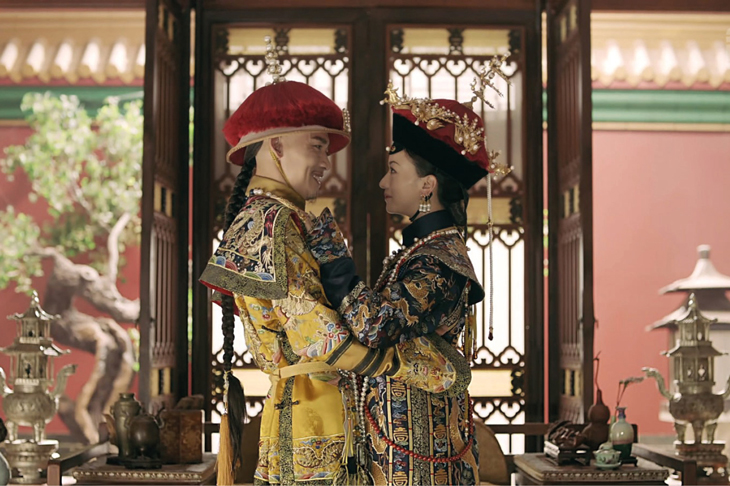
<point x="622" y="106"/>
<point x="661" y="106"/>
<point x="92" y="97"/>
<point x="648" y="106"/>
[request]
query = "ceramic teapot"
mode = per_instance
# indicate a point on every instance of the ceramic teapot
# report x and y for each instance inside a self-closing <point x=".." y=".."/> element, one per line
<point x="144" y="435"/>
<point x="607" y="456"/>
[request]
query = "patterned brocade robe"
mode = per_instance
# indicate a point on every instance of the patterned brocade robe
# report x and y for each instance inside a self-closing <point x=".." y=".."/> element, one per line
<point x="263" y="261"/>
<point x="431" y="290"/>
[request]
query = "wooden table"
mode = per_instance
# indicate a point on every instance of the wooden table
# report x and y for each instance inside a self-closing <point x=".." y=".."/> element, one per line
<point x="98" y="471"/>
<point x="539" y="469"/>
<point x="710" y="468"/>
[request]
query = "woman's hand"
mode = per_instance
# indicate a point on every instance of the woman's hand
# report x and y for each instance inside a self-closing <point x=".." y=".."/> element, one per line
<point x="442" y="330"/>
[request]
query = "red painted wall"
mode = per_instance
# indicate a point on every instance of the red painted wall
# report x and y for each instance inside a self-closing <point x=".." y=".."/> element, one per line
<point x="15" y="193"/>
<point x="657" y="196"/>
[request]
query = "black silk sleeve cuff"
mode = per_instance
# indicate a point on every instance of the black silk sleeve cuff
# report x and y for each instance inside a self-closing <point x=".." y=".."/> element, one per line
<point x="338" y="279"/>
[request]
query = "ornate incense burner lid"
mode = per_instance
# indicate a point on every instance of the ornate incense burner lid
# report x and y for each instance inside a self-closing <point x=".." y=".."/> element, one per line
<point x="710" y="288"/>
<point x="704" y="276"/>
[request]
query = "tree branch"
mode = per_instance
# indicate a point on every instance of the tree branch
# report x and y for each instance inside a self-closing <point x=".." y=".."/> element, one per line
<point x="112" y="245"/>
<point x="77" y="195"/>
<point x="45" y="252"/>
<point x="71" y="279"/>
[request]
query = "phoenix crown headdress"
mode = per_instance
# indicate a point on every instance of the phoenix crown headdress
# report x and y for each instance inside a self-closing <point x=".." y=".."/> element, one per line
<point x="468" y="134"/>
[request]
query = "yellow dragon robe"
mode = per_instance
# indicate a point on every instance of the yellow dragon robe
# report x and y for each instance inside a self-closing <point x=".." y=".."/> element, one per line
<point x="263" y="261"/>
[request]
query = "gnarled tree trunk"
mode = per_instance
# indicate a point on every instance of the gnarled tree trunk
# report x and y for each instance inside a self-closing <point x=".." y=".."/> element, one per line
<point x="101" y="336"/>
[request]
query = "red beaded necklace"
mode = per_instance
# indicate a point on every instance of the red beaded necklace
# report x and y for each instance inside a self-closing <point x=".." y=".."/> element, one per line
<point x="422" y="457"/>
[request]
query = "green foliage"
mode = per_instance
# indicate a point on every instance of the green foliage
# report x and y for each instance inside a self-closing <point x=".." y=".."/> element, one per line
<point x="16" y="264"/>
<point x="89" y="172"/>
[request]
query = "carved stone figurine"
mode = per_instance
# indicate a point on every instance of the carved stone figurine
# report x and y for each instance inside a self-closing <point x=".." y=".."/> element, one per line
<point x="566" y="435"/>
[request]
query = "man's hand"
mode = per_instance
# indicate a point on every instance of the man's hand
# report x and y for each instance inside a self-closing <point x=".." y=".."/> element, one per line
<point x="309" y="221"/>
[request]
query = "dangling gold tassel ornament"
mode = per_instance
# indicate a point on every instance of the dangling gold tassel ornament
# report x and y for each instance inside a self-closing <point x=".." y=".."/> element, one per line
<point x="224" y="461"/>
<point x="490" y="225"/>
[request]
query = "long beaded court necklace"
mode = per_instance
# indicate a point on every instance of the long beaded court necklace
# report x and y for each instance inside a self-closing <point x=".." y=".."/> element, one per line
<point x="391" y="273"/>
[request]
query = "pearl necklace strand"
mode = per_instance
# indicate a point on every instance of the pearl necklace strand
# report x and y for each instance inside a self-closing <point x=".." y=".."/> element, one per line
<point x="404" y="253"/>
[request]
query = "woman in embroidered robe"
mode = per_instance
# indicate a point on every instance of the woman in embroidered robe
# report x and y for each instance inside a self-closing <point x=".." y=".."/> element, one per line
<point x="266" y="274"/>
<point x="417" y="437"/>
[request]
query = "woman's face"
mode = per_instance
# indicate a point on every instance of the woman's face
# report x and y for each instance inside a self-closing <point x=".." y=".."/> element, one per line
<point x="401" y="185"/>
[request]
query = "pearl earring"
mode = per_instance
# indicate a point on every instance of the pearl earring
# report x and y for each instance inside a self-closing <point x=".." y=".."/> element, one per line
<point x="425" y="206"/>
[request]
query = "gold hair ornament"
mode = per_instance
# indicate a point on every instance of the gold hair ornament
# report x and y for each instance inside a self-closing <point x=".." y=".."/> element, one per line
<point x="346" y="120"/>
<point x="485" y="78"/>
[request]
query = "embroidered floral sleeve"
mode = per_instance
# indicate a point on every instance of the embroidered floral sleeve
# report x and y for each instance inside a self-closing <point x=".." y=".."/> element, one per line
<point x="415" y="305"/>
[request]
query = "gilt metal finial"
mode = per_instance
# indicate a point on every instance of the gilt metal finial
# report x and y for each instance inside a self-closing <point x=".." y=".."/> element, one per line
<point x="272" y="62"/>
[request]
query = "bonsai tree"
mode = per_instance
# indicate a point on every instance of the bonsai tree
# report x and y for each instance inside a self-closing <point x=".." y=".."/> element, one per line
<point x="86" y="170"/>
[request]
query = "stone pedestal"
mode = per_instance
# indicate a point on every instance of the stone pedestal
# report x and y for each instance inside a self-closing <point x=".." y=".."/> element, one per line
<point x="28" y="460"/>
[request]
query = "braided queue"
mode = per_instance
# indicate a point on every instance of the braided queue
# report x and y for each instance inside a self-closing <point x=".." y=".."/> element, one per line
<point x="236" y="397"/>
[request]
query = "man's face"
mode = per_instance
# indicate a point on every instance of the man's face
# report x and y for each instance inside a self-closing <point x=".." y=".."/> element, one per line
<point x="304" y="161"/>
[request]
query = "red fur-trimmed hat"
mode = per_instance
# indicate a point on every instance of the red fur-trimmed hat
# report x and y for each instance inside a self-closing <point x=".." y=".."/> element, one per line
<point x="284" y="108"/>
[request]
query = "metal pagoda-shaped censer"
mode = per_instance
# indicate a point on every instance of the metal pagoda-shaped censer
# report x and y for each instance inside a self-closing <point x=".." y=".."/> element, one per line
<point x="710" y="288"/>
<point x="29" y="403"/>
<point x="694" y="403"/>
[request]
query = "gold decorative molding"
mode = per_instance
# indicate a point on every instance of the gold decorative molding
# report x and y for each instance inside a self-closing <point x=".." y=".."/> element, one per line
<point x="72" y="46"/>
<point x="658" y="50"/>
<point x="629" y="50"/>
